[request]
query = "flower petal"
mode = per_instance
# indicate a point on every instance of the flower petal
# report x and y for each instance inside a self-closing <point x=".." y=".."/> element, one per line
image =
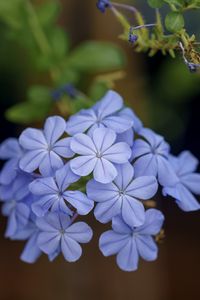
<point x="103" y="138"/>
<point x="105" y="211"/>
<point x="109" y="104"/>
<point x="31" y="250"/>
<point x="43" y="186"/>
<point x="41" y="207"/>
<point x="48" y="242"/>
<point x="192" y="182"/>
<point x="133" y="211"/>
<point x="70" y="249"/>
<point x="127" y="258"/>
<point x="166" y="174"/>
<point x="144" y="187"/>
<point x="65" y="176"/>
<point x="9" y="171"/>
<point x="187" y="163"/>
<point x="80" y="122"/>
<point x="146" y="166"/>
<point x="31" y="160"/>
<point x="83" y="144"/>
<point x="125" y="176"/>
<point x="111" y="243"/>
<point x="117" y="123"/>
<point x="79" y="200"/>
<point x="33" y="139"/>
<point x="79" y="232"/>
<point x="101" y="192"/>
<point x="140" y="148"/>
<point x="126" y="137"/>
<point x="10" y="149"/>
<point x="50" y="163"/>
<point x="153" y="222"/>
<point x="118" y="153"/>
<point x="146" y="247"/>
<point x="62" y="148"/>
<point x="54" y="127"/>
<point x="83" y="165"/>
<point x="119" y="226"/>
<point x="104" y="171"/>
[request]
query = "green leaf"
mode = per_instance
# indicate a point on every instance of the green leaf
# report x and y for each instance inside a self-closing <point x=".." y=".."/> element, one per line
<point x="59" y="42"/>
<point x="48" y="12"/>
<point x="94" y="57"/>
<point x="155" y="3"/>
<point x="174" y="21"/>
<point x="36" y="108"/>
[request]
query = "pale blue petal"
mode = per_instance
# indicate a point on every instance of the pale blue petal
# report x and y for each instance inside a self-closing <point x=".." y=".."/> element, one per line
<point x="54" y="127"/>
<point x="83" y="144"/>
<point x="65" y="176"/>
<point x="31" y="250"/>
<point x="125" y="175"/>
<point x="71" y="250"/>
<point x="101" y="192"/>
<point x="109" y="104"/>
<point x="192" y="182"/>
<point x="49" y="223"/>
<point x="153" y="222"/>
<point x="140" y="148"/>
<point x="31" y="160"/>
<point x="83" y="165"/>
<point x="117" y="123"/>
<point x="126" y="137"/>
<point x="152" y="138"/>
<point x="146" y="166"/>
<point x="50" y="164"/>
<point x="105" y="211"/>
<point x="166" y="174"/>
<point x="118" y="153"/>
<point x="9" y="171"/>
<point x="10" y="149"/>
<point x="127" y="258"/>
<point x="129" y="114"/>
<point x="43" y="186"/>
<point x="146" y="247"/>
<point x="11" y="227"/>
<point x="144" y="187"/>
<point x="62" y="148"/>
<point x="187" y="163"/>
<point x="80" y="232"/>
<point x="48" y="242"/>
<point x="119" y="226"/>
<point x="111" y="243"/>
<point x="103" y="138"/>
<point x="133" y="211"/>
<point x="33" y="139"/>
<point x="80" y="122"/>
<point x="79" y="200"/>
<point x="41" y="207"/>
<point x="104" y="171"/>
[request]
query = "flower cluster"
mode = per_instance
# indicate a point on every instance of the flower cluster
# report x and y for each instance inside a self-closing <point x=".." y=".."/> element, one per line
<point x="102" y="157"/>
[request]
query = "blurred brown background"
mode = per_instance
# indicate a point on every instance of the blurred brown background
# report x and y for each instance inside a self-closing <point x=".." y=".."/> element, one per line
<point x="175" y="275"/>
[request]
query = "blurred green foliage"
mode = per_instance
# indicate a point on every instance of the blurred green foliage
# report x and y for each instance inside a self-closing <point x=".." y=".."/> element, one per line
<point x="47" y="47"/>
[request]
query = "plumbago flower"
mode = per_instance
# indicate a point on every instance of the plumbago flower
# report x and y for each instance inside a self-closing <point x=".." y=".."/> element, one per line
<point x="43" y="150"/>
<point x="41" y="184"/>
<point x="188" y="181"/>
<point x="57" y="234"/>
<point x="150" y="154"/>
<point x="98" y="154"/>
<point x="10" y="150"/>
<point x="53" y="194"/>
<point x="122" y="196"/>
<point x="131" y="242"/>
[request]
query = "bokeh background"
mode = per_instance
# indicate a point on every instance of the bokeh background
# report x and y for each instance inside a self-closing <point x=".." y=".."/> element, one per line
<point x="167" y="98"/>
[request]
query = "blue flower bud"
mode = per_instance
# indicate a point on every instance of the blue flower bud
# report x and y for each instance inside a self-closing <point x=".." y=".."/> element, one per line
<point x="103" y="4"/>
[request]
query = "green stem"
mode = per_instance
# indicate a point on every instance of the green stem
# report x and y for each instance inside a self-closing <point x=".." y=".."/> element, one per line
<point x="39" y="36"/>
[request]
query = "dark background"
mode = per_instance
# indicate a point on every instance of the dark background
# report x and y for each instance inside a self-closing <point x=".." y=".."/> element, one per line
<point x="175" y="275"/>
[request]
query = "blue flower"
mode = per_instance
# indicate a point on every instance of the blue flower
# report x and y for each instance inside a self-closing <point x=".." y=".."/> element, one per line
<point x="57" y="234"/>
<point x="151" y="157"/>
<point x="10" y="150"/>
<point x="52" y="194"/>
<point x="188" y="181"/>
<point x="103" y="4"/>
<point x="98" y="153"/>
<point x="103" y="114"/>
<point x="44" y="151"/>
<point x="129" y="243"/>
<point x="122" y="196"/>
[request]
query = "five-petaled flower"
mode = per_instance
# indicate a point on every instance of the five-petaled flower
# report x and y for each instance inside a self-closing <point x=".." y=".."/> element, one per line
<point x="131" y="242"/>
<point x="57" y="234"/>
<point x="53" y="194"/>
<point x="44" y="149"/>
<point x="122" y="196"/>
<point x="98" y="153"/>
<point x="151" y="157"/>
<point x="104" y="113"/>
<point x="188" y="181"/>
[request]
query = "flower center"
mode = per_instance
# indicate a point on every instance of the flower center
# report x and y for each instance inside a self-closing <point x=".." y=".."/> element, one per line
<point x="62" y="231"/>
<point x="98" y="154"/>
<point x="121" y="193"/>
